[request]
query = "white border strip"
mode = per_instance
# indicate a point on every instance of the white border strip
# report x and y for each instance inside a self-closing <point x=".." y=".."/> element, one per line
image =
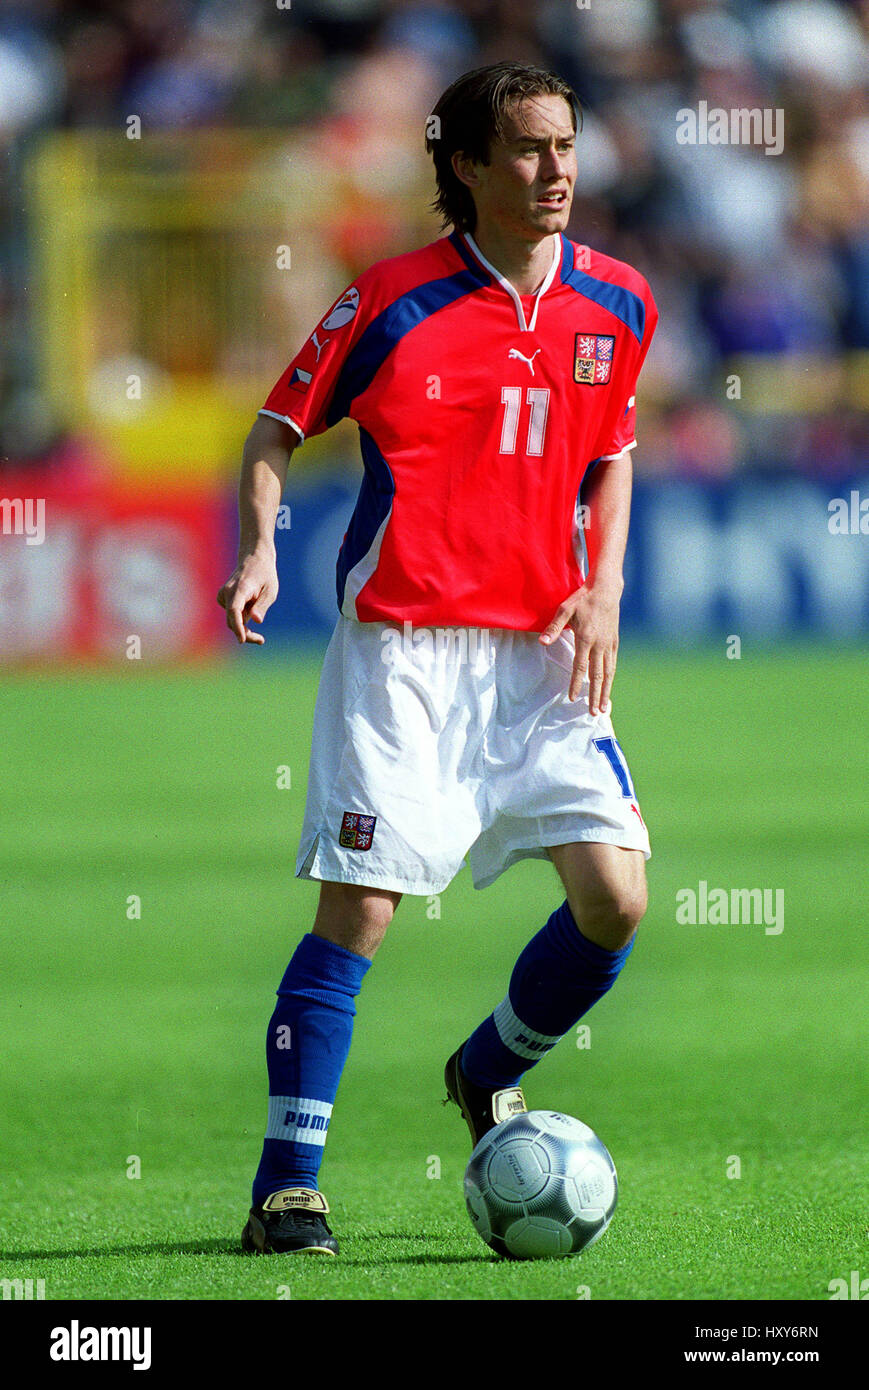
<point x="285" y="420"/>
<point x="513" y="293"/>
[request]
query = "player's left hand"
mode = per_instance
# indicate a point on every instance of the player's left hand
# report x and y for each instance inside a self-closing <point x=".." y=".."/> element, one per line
<point x="592" y="614"/>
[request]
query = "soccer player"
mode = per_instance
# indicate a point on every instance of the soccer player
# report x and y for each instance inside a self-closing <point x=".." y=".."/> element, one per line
<point x="464" y="702"/>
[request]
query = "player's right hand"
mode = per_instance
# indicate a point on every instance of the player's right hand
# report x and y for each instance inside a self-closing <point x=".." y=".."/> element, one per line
<point x="247" y="595"/>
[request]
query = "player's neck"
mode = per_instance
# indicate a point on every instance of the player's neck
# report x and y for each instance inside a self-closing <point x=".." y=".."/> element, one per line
<point x="524" y="263"/>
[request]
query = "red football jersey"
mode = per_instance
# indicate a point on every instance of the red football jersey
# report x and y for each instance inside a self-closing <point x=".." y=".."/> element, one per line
<point x="480" y="411"/>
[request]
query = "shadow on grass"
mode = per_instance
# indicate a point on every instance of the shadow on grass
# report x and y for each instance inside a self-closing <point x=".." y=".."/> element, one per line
<point x="360" y="1252"/>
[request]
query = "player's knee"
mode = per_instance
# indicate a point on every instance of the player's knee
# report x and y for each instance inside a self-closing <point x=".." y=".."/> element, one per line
<point x="614" y="927"/>
<point x="375" y="911"/>
<point x="630" y="905"/>
<point x="610" y="915"/>
<point x="354" y="916"/>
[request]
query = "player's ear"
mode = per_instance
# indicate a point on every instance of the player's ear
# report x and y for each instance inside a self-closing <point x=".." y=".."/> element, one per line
<point x="465" y="169"/>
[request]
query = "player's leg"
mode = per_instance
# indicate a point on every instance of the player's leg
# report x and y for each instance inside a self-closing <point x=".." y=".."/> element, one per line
<point x="559" y="787"/>
<point x="569" y="965"/>
<point x="385" y="804"/>
<point x="307" y="1044"/>
<point x="606" y="890"/>
<point x="564" y="970"/>
<point x="354" y="918"/>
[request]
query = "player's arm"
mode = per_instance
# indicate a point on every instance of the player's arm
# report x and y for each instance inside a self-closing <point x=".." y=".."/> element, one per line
<point x="253" y="585"/>
<point x="593" y="611"/>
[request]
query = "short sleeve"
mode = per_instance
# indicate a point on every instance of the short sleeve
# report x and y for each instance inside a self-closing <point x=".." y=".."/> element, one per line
<point x="304" y="394"/>
<point x="623" y="436"/>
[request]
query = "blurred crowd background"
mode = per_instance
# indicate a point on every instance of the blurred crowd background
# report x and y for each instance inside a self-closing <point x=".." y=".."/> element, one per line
<point x="187" y="185"/>
<point x="759" y="262"/>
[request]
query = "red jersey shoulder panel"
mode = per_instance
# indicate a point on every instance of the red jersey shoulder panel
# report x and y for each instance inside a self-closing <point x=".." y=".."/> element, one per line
<point x="302" y="393"/>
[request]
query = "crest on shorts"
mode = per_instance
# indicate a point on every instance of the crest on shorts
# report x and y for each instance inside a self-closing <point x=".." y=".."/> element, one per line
<point x="593" y="358"/>
<point x="357" y="831"/>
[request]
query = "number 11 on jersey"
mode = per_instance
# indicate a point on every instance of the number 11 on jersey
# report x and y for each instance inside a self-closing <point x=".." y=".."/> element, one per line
<point x="537" y="398"/>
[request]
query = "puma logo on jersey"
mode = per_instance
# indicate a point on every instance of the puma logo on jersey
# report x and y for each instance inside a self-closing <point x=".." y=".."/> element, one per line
<point x="514" y="352"/>
<point x="318" y="345"/>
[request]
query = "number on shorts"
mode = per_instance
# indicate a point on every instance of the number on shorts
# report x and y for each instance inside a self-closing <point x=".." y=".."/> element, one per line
<point x="616" y="759"/>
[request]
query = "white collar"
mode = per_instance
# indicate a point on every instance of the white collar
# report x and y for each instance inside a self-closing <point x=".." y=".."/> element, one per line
<point x="511" y="290"/>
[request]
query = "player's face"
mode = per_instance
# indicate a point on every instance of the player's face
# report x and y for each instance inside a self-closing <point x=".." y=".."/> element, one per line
<point x="526" y="189"/>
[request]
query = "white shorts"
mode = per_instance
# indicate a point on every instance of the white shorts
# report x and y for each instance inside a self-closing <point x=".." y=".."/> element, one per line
<point x="430" y="747"/>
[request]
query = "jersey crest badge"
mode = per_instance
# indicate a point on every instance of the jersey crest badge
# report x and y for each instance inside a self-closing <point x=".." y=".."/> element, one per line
<point x="593" y="358"/>
<point x="357" y="831"/>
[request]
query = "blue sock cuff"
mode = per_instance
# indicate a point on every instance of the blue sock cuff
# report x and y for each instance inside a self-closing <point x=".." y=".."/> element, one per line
<point x="323" y="971"/>
<point x="565" y="936"/>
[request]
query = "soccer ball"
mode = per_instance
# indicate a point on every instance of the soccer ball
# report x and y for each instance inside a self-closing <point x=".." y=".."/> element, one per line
<point x="540" y="1184"/>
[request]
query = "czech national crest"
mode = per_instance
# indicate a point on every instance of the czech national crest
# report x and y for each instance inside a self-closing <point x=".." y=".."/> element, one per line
<point x="593" y="358"/>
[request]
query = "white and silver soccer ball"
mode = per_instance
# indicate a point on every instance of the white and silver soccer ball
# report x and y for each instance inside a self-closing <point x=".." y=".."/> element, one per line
<point x="540" y="1184"/>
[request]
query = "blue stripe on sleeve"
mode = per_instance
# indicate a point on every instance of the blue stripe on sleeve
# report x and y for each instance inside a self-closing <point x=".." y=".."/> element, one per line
<point x="384" y="332"/>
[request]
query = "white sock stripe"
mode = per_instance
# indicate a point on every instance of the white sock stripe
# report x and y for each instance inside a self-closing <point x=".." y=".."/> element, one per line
<point x="524" y="1041"/>
<point x="298" y="1120"/>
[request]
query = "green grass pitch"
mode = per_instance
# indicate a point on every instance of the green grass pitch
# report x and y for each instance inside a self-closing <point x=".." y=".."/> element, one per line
<point x="726" y="1071"/>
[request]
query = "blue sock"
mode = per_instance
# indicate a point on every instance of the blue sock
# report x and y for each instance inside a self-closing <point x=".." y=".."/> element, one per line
<point x="557" y="978"/>
<point x="306" y="1047"/>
